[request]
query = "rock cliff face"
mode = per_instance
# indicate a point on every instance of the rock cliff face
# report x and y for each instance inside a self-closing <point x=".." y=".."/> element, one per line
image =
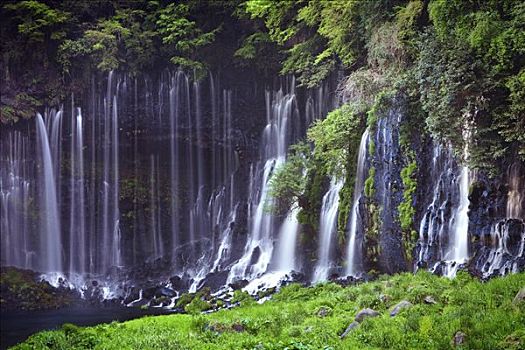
<point x="388" y="162"/>
<point x="494" y="230"/>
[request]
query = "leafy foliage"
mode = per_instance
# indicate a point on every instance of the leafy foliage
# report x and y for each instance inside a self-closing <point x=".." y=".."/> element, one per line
<point x="288" y="182"/>
<point x="467" y="57"/>
<point x="37" y="21"/>
<point x="69" y="39"/>
<point x="335" y="138"/>
<point x="184" y="34"/>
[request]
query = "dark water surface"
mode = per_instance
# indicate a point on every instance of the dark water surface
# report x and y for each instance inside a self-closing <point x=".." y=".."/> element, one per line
<point x="17" y="326"/>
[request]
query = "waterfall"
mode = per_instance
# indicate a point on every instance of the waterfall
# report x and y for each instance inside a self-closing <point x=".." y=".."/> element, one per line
<point x="15" y="191"/>
<point x="457" y="252"/>
<point x="155" y="228"/>
<point x="77" y="229"/>
<point x="280" y="111"/>
<point x="115" y="252"/>
<point x="443" y="230"/>
<point x="327" y="228"/>
<point x="51" y="240"/>
<point x="504" y="249"/>
<point x="110" y="252"/>
<point x="176" y="104"/>
<point x="145" y="171"/>
<point x="516" y="193"/>
<point x="286" y="259"/>
<point x="224" y="250"/>
<point x="434" y="226"/>
<point x="352" y="264"/>
<point x="504" y="246"/>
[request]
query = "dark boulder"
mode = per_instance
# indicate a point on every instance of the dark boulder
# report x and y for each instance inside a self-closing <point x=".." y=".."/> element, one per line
<point x="256" y="253"/>
<point x="215" y="280"/>
<point x="180" y="284"/>
<point x="165" y="292"/>
<point x="237" y="285"/>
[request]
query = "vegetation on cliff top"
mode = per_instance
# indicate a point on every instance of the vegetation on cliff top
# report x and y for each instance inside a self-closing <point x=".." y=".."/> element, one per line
<point x="302" y="318"/>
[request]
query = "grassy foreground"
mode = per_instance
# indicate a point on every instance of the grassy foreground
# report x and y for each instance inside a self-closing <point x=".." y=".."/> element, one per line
<point x="314" y="318"/>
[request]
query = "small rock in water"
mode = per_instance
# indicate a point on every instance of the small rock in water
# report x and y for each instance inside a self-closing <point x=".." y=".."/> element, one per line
<point x="429" y="300"/>
<point x="459" y="338"/>
<point x="361" y="315"/>
<point x="324" y="311"/>
<point x="404" y="304"/>
<point x="349" y="328"/>
<point x="519" y="297"/>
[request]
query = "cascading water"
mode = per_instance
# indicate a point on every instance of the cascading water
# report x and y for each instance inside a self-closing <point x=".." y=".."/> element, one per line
<point x="516" y="193"/>
<point x="179" y="85"/>
<point x="15" y="192"/>
<point x="150" y="173"/>
<point x="224" y="250"/>
<point x="457" y="252"/>
<point x="505" y="248"/>
<point x="433" y="227"/>
<point x="352" y="256"/>
<point x="156" y="234"/>
<point x="78" y="246"/>
<point x="115" y="252"/>
<point x="327" y="228"/>
<point x="504" y="245"/>
<point x="286" y="256"/>
<point x="280" y="111"/>
<point x="110" y="253"/>
<point x="443" y="230"/>
<point x="51" y="240"/>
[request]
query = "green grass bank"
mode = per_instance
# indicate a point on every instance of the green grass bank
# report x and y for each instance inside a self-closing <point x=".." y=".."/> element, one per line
<point x="462" y="313"/>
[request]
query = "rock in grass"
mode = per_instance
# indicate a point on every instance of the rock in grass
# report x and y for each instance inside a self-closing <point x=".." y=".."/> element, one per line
<point x="429" y="299"/>
<point x="404" y="304"/>
<point x="349" y="328"/>
<point x="459" y="339"/>
<point x="520" y="297"/>
<point x="361" y="315"/>
<point x="324" y="311"/>
<point x="237" y="327"/>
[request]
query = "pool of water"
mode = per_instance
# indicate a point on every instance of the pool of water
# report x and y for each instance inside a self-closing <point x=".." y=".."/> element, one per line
<point x="17" y="326"/>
